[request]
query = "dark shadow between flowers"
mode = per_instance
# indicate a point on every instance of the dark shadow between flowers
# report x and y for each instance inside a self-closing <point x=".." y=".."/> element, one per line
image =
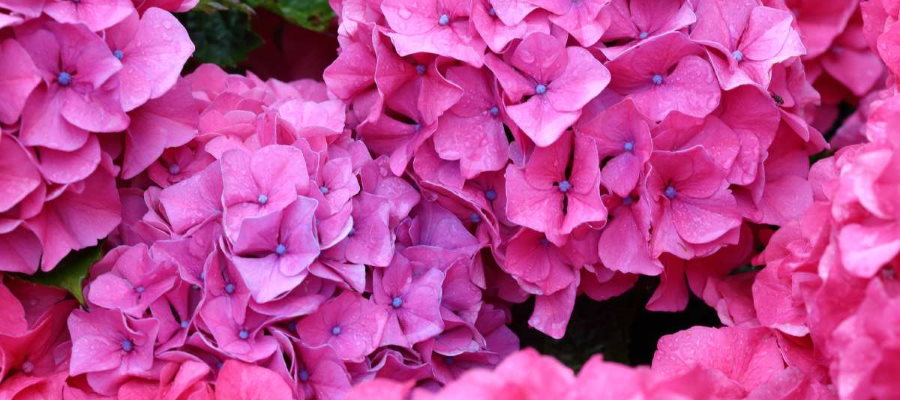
<point x="620" y="328"/>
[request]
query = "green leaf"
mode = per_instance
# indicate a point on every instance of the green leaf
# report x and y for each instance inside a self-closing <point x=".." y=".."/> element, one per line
<point x="315" y="15"/>
<point x="69" y="273"/>
<point x="222" y="37"/>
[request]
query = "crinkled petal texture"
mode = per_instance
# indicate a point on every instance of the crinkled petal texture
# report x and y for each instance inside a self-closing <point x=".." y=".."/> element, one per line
<point x="238" y="380"/>
<point x="748" y="357"/>
<point x="350" y="324"/>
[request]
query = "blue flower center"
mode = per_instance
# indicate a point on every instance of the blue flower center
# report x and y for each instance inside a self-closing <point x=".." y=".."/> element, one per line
<point x="658" y="79"/>
<point x="281" y="249"/>
<point x="494" y="111"/>
<point x="127" y="345"/>
<point x="304" y="375"/>
<point x="229" y="288"/>
<point x="64" y="78"/>
<point x="629" y="146"/>
<point x="492" y="12"/>
<point x="420" y="69"/>
<point x="490" y="194"/>
<point x="262" y="199"/>
<point x="174" y="169"/>
<point x="184" y="324"/>
<point x="475" y="218"/>
<point x="139" y="289"/>
<point x="324" y="189"/>
<point x="444" y="20"/>
<point x="243" y="334"/>
<point x="671" y="192"/>
<point x="644" y="35"/>
<point x="737" y="55"/>
<point x="396" y="302"/>
<point x="449" y="360"/>
<point x="564" y="186"/>
<point x="119" y="54"/>
<point x="336" y="331"/>
<point x="540" y="88"/>
<point x="544" y="242"/>
<point x="417" y="127"/>
<point x="628" y="200"/>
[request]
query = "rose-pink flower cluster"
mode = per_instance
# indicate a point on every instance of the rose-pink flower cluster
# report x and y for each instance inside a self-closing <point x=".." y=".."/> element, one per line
<point x="697" y="114"/>
<point x="274" y="239"/>
<point x="87" y="89"/>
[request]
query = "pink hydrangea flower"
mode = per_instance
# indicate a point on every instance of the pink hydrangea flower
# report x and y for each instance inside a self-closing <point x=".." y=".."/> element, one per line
<point x="439" y="27"/>
<point x="77" y="95"/>
<point x="350" y="324"/>
<point x="547" y="84"/>
<point x="547" y="197"/>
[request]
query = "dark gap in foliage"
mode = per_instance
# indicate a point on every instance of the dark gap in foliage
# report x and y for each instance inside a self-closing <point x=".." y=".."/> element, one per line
<point x="620" y="328"/>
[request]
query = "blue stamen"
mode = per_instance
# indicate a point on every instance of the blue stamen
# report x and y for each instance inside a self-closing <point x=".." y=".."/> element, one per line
<point x="336" y="331"/>
<point x="671" y="192"/>
<point x="396" y="302"/>
<point x="243" y="334"/>
<point x="420" y="69"/>
<point x="281" y="249"/>
<point x="540" y="88"/>
<point x="229" y="288"/>
<point x="139" y="289"/>
<point x="494" y="111"/>
<point x="324" y="189"/>
<point x="127" y="345"/>
<point x="304" y="375"/>
<point x="444" y="20"/>
<point x="644" y="35"/>
<point x="657" y="79"/>
<point x="490" y="194"/>
<point x="64" y="78"/>
<point x="119" y="54"/>
<point x="629" y="146"/>
<point x="475" y="218"/>
<point x="262" y="199"/>
<point x="174" y="169"/>
<point x="564" y="186"/>
<point x="737" y="55"/>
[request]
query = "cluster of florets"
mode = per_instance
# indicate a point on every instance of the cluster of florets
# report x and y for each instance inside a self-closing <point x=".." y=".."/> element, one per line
<point x="273" y="238"/>
<point x="86" y="89"/>
<point x="588" y="142"/>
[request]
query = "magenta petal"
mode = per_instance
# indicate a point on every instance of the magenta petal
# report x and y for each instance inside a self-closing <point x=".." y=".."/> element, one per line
<point x="153" y="59"/>
<point x="552" y="312"/>
<point x="18" y="78"/>
<point x="169" y="121"/>
<point x="17" y="172"/>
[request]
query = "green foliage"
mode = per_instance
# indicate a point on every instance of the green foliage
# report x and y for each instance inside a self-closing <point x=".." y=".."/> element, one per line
<point x="221" y="36"/>
<point x="311" y="14"/>
<point x="70" y="271"/>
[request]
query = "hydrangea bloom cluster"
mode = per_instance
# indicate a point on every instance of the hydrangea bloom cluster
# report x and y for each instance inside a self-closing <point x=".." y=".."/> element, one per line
<point x="86" y="88"/>
<point x="274" y="239"/>
<point x="589" y="142"/>
<point x="283" y="240"/>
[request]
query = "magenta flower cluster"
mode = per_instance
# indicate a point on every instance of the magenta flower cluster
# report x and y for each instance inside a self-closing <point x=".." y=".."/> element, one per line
<point x="588" y="142"/>
<point x="279" y="240"/>
<point x="86" y="89"/>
